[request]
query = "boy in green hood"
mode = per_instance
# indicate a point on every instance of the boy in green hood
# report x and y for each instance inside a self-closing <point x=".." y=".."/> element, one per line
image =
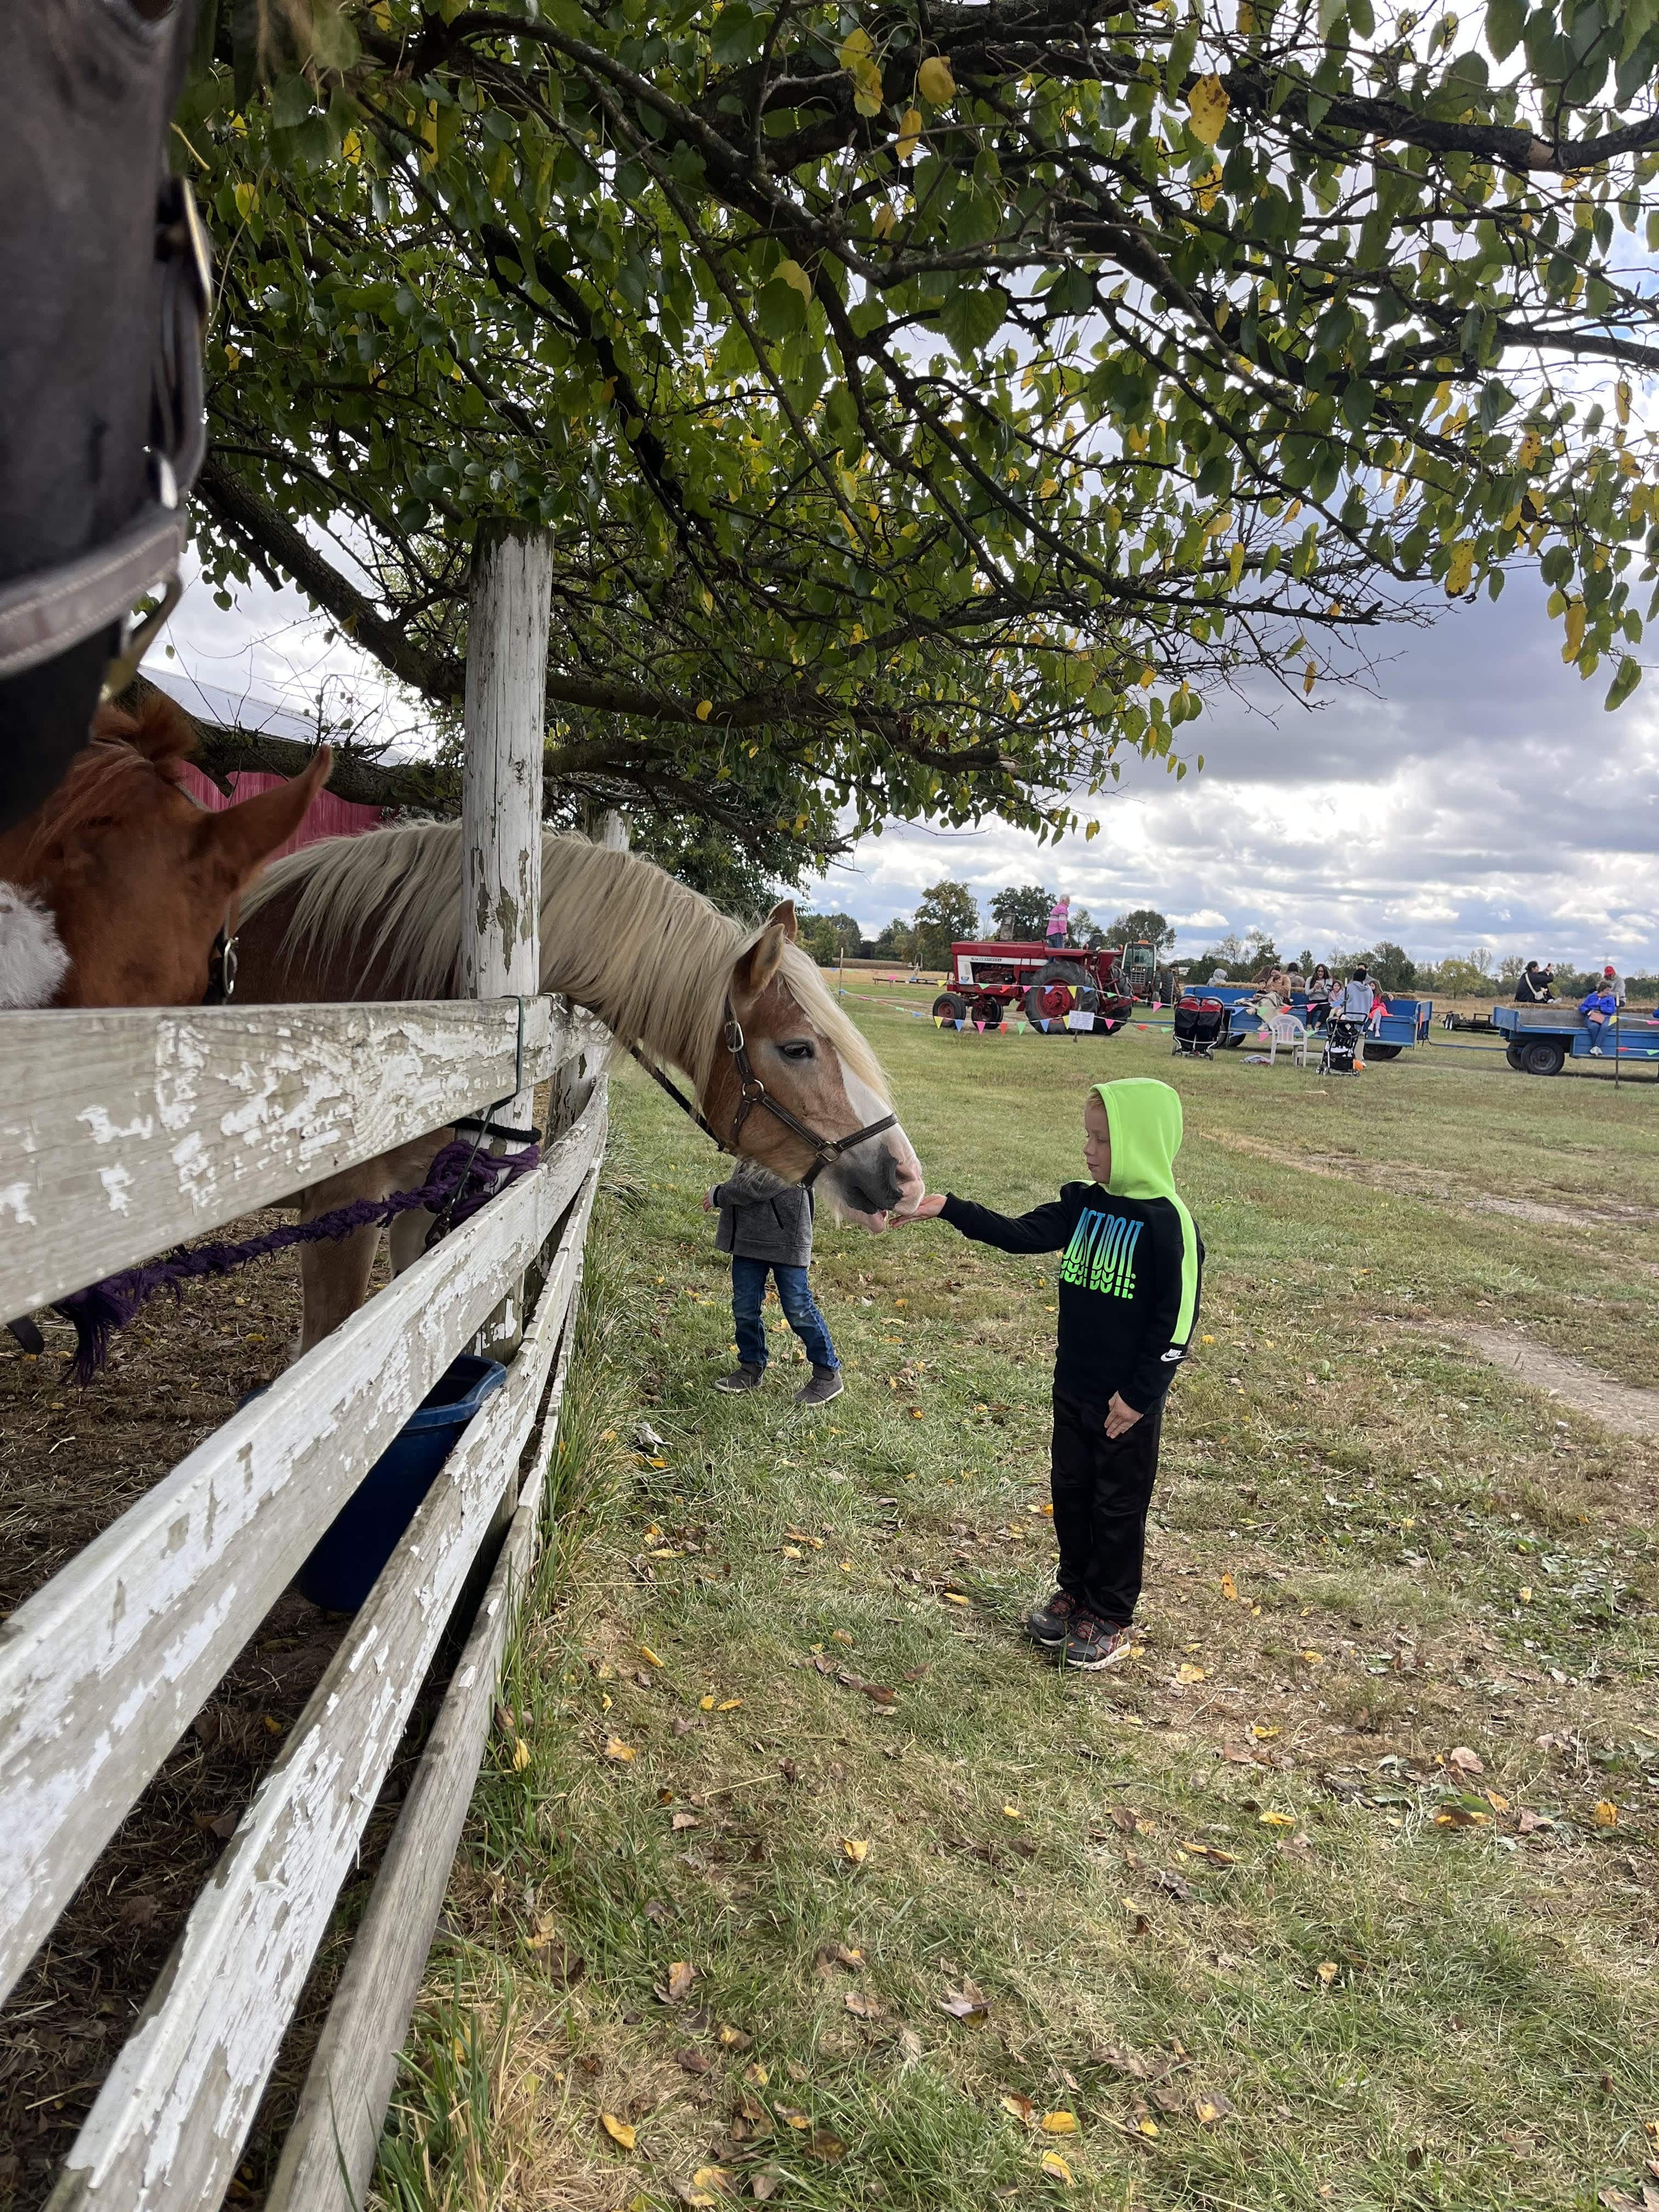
<point x="1129" y="1304"/>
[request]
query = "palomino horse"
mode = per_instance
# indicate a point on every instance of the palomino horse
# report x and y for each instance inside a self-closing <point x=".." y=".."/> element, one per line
<point x="115" y="891"/>
<point x="380" y="917"/>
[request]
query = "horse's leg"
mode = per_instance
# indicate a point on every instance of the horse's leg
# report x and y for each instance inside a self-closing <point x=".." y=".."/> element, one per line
<point x="411" y="1165"/>
<point x="334" y="1276"/>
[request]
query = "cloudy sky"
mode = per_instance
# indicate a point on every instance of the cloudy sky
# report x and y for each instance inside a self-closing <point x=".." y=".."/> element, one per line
<point x="1477" y="793"/>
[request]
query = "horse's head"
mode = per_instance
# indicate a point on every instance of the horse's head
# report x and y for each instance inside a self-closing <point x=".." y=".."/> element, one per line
<point x="810" y="1058"/>
<point x="113" y="894"/>
<point x="94" y="261"/>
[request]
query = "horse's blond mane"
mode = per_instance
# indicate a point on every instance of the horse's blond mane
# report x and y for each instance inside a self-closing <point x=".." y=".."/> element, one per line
<point x="651" y="958"/>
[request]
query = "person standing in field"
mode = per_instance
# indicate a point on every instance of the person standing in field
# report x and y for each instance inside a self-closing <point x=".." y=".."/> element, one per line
<point x="1060" y="921"/>
<point x="769" y="1230"/>
<point x="1353" y="1003"/>
<point x="1129" y="1287"/>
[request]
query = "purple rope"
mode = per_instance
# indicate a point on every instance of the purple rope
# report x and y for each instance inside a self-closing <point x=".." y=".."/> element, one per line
<point x="462" y="1178"/>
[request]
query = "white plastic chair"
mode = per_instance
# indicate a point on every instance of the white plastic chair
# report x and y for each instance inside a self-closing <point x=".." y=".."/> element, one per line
<point x="1287" y="1030"/>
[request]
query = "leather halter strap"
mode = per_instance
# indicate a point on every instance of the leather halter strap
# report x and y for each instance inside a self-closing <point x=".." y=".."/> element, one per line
<point x="752" y="1093"/>
<point x="221" y="960"/>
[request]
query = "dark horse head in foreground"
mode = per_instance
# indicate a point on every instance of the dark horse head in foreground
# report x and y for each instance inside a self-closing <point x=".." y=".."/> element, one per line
<point x="102" y="278"/>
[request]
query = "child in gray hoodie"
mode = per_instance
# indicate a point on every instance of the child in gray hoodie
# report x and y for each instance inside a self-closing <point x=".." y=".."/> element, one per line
<point x="767" y="1227"/>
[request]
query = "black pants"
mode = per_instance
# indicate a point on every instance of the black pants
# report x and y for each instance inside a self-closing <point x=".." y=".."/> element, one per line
<point x="1102" y="1489"/>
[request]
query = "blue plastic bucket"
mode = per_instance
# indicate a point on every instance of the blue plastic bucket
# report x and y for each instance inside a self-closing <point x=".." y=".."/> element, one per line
<point x="342" y="1570"/>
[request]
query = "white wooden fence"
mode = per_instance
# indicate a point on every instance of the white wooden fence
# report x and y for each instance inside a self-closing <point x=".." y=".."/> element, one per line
<point x="122" y="1133"/>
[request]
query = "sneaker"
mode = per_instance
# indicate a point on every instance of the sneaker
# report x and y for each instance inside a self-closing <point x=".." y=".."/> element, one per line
<point x="826" y="1383"/>
<point x="742" y="1377"/>
<point x="1595" y="1052"/>
<point x="1091" y="1643"/>
<point x="1046" y="1623"/>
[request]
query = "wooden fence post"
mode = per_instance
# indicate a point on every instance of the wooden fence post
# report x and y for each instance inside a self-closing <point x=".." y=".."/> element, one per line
<point x="501" y="791"/>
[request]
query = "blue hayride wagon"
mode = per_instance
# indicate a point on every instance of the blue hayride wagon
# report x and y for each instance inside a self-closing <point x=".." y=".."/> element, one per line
<point x="1541" y="1040"/>
<point x="1406" y="1023"/>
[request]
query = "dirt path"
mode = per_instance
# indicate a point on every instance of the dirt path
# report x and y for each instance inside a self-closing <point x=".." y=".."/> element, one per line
<point x="1628" y="1412"/>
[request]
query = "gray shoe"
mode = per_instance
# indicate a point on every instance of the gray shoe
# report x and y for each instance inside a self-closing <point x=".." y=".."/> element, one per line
<point x="826" y="1383"/>
<point x="742" y="1377"/>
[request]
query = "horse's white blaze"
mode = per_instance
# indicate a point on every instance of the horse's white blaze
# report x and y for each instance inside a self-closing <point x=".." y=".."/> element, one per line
<point x="33" y="961"/>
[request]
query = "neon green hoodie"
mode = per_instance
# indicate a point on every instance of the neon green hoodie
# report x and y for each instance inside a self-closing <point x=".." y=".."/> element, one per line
<point x="1130" y="1281"/>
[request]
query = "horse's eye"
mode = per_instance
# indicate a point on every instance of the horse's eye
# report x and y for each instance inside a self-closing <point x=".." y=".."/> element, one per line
<point x="152" y="11"/>
<point x="801" y="1051"/>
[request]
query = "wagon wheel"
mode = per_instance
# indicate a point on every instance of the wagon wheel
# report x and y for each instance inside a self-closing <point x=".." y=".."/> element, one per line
<point x="1541" y="1057"/>
<point x="1049" y="1002"/>
<point x="1374" y="1051"/>
<point x="947" y="1007"/>
<point x="1515" y="1054"/>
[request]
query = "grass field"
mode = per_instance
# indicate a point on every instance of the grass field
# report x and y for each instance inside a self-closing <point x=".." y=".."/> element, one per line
<point x="1340" y="1894"/>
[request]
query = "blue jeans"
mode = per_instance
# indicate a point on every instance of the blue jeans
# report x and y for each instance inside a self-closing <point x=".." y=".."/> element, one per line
<point x="794" y="1295"/>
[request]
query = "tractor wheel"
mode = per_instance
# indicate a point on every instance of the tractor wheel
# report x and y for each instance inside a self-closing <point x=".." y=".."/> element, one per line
<point x="947" y="1007"/>
<point x="988" y="1009"/>
<point x="1540" y="1057"/>
<point x="1049" y="1002"/>
<point x="1383" y="1051"/>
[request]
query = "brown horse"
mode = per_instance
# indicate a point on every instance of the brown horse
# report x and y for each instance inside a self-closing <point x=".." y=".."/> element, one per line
<point x="114" y="892"/>
<point x="380" y="917"/>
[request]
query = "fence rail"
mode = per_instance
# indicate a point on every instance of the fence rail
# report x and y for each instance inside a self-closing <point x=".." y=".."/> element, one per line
<point x="123" y="1132"/>
<point x="120" y="1133"/>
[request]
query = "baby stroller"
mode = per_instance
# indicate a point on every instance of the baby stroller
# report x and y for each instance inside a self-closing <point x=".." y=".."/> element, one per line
<point x="1342" y="1042"/>
<point x="1199" y="1023"/>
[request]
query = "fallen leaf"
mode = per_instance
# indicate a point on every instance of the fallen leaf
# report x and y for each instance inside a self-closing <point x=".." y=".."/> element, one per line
<point x="728" y="1704"/>
<point x="1211" y="2106"/>
<point x="1210" y="1851"/>
<point x="840" y="1636"/>
<point x="1459" y="1816"/>
<point x="711" y="2176"/>
<point x="1188" y="1673"/>
<point x="1022" y="2108"/>
<point x="839" y="1954"/>
<point x="1607" y="1812"/>
<point x="520" y="1754"/>
<point x="910" y="2044"/>
<point x="954" y="1597"/>
<point x="763" y="2185"/>
<point x="1464" y="1760"/>
<point x="1327" y="1971"/>
<point x="1229" y="1588"/>
<point x="826" y="2146"/>
<point x="970" y="2002"/>
<point x="1528" y="1824"/>
<point x="649" y="1655"/>
<point x="855" y="1850"/>
<point x="618" y="2131"/>
<point x="1175" y="1884"/>
<point x="861" y="2006"/>
<point x="692" y="2062"/>
<point x="1262" y="1733"/>
<point x="756" y="2075"/>
<point x="681" y="1975"/>
<point x="615" y="1748"/>
<point x="1058" y="2123"/>
<point x="733" y="2039"/>
<point x="1276" y="1819"/>
<point x="1497" y="1800"/>
<point x="685" y="1820"/>
<point x="1012" y="1813"/>
<point x="706" y="1705"/>
<point x="1055" y="2166"/>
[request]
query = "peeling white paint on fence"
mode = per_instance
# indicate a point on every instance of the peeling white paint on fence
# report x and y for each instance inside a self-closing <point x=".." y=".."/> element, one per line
<point x="211" y="1112"/>
<point x="168" y="2125"/>
<point x="102" y="1670"/>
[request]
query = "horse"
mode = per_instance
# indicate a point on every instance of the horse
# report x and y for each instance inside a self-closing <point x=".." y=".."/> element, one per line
<point x="379" y="916"/>
<point x="116" y="892"/>
<point x="103" y="269"/>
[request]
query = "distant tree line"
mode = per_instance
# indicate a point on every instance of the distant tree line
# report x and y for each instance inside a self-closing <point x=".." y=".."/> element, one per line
<point x="948" y="913"/>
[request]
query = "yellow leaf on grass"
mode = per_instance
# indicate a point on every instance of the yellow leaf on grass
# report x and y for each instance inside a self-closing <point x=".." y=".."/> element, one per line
<point x="618" y="2131"/>
<point x="1059" y="2123"/>
<point x="711" y="2176"/>
<point x="728" y="1704"/>
<point x="706" y="1705"/>
<point x="1276" y="1819"/>
<point x="1188" y="1673"/>
<point x="954" y="1597"/>
<point x="1327" y="1971"/>
<point x="1607" y="1814"/>
<point x="1146" y="2124"/>
<point x="1262" y="1732"/>
<point x="909" y="134"/>
<point x="1054" y="2165"/>
<point x="649" y="1655"/>
<point x="520" y="1754"/>
<point x="1229" y="1588"/>
<point x="615" y="1748"/>
<point x="1207" y="107"/>
<point x="935" y="82"/>
<point x="855" y="1850"/>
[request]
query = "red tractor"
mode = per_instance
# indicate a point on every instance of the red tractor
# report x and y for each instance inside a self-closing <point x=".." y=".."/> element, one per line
<point x="1065" y="986"/>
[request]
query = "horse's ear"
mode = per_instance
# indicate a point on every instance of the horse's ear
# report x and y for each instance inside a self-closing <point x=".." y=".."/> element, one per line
<point x="245" y="835"/>
<point x="758" y="966"/>
<point x="783" y="913"/>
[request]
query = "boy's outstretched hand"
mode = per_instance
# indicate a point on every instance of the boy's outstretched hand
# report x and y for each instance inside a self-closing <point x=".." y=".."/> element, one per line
<point x="925" y="1209"/>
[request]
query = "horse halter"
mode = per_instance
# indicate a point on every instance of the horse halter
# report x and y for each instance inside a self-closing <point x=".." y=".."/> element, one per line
<point x="222" y="959"/>
<point x="751" y="1093"/>
<point x="44" y="615"/>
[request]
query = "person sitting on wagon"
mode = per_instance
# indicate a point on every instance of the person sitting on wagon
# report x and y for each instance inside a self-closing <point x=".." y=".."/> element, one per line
<point x="1320" y="988"/>
<point x="1599" y="1007"/>
<point x="1060" y="921"/>
<point x="1379" y="1008"/>
<point x="1531" y="986"/>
